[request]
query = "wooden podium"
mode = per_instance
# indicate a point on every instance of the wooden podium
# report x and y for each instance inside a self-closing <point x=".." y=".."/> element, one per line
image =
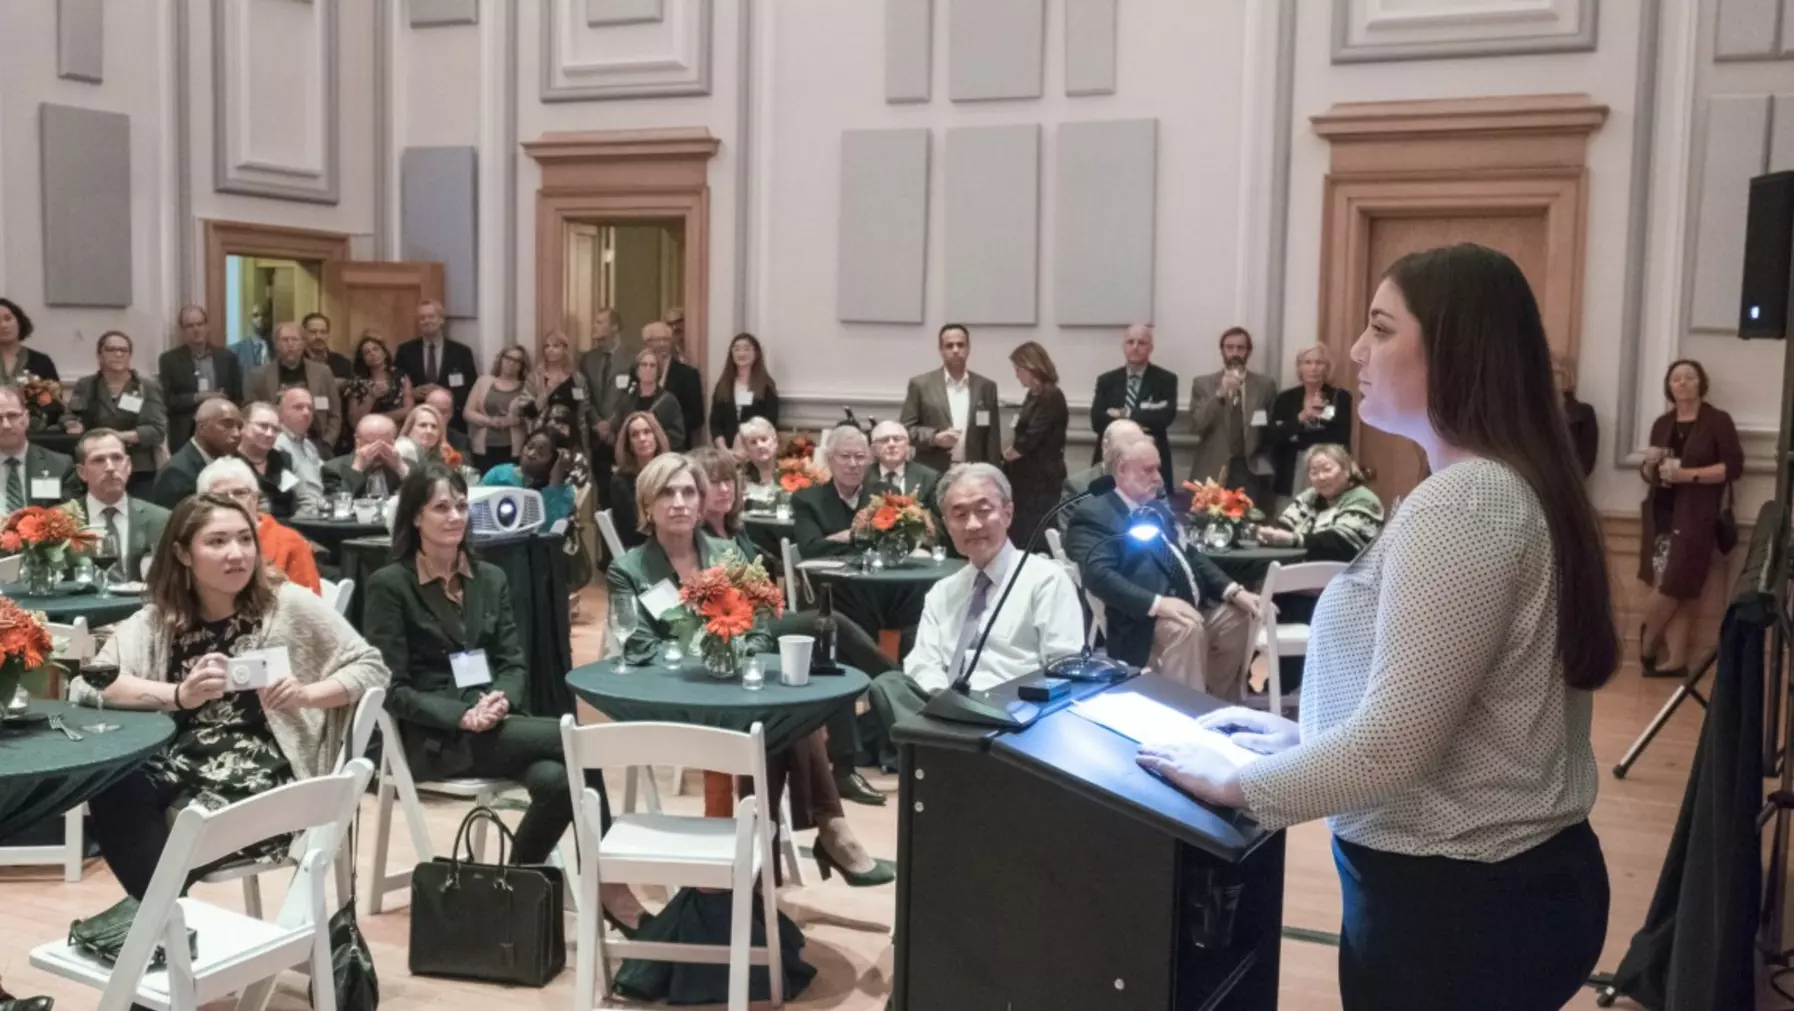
<point x="1043" y="869"/>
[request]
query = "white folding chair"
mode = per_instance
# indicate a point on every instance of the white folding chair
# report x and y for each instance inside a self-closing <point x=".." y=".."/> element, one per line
<point x="607" y="526"/>
<point x="1099" y="615"/>
<point x="74" y="644"/>
<point x="337" y="595"/>
<point x="797" y="581"/>
<point x="1276" y="639"/>
<point x="717" y="853"/>
<point x="1056" y="545"/>
<point x="10" y="569"/>
<point x="236" y="953"/>
<point x="355" y="745"/>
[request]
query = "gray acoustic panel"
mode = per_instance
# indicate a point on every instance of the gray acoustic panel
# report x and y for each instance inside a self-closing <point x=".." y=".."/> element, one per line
<point x="909" y="50"/>
<point x="604" y="13"/>
<point x="995" y="49"/>
<point x="439" y="218"/>
<point x="1747" y="30"/>
<point x="81" y="40"/>
<point x="882" y="255"/>
<point x="1788" y="28"/>
<point x="440" y="13"/>
<point x="993" y="224"/>
<point x="86" y="188"/>
<point x="1781" y="134"/>
<point x="1090" y="47"/>
<point x="1737" y="148"/>
<point x="1104" y="205"/>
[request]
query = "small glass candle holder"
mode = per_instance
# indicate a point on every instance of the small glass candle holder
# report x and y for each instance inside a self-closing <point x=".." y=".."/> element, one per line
<point x="753" y="674"/>
<point x="938" y="553"/>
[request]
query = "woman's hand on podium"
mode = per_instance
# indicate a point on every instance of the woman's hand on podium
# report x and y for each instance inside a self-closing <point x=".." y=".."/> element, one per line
<point x="1253" y="730"/>
<point x="1198" y="770"/>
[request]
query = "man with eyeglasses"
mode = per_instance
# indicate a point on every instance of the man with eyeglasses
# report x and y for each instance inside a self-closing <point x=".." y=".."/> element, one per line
<point x="194" y="373"/>
<point x="103" y="465"/>
<point x="29" y="473"/>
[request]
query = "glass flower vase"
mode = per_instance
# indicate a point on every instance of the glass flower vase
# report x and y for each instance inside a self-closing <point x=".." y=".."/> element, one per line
<point x="722" y="657"/>
<point x="42" y="575"/>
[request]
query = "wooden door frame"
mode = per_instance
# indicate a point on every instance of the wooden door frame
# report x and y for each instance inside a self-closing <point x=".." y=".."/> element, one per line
<point x="240" y="238"/>
<point x="624" y="175"/>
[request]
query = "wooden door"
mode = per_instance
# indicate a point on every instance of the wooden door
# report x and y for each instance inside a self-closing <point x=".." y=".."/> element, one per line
<point x="381" y="297"/>
<point x="1396" y="464"/>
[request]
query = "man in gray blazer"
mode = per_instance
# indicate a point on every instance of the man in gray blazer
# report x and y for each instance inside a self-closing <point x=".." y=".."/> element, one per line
<point x="103" y="466"/>
<point x="1231" y="413"/>
<point x="951" y="413"/>
<point x="290" y="367"/>
<point x="29" y="473"/>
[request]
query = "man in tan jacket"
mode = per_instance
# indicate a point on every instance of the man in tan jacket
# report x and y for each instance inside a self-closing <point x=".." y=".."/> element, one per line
<point x="290" y="367"/>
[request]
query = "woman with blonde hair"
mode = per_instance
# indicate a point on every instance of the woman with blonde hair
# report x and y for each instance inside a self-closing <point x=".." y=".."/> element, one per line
<point x="1312" y="413"/>
<point x="495" y="406"/>
<point x="1034" y="461"/>
<point x="757" y="447"/>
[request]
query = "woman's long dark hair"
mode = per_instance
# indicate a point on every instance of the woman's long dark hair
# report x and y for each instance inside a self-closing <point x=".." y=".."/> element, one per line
<point x="171" y="581"/>
<point x="759" y="380"/>
<point x="415" y="492"/>
<point x="1490" y="390"/>
<point x="360" y="365"/>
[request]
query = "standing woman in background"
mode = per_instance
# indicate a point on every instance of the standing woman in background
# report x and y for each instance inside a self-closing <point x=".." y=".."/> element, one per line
<point x="15" y="358"/>
<point x="1693" y="460"/>
<point x="639" y="440"/>
<point x="378" y="387"/>
<point x="494" y="411"/>
<point x="647" y="394"/>
<point x="116" y="397"/>
<point x="744" y="390"/>
<point x="557" y="380"/>
<point x="1585" y="431"/>
<point x="1451" y="669"/>
<point x="1035" y="461"/>
<point x="1312" y="413"/>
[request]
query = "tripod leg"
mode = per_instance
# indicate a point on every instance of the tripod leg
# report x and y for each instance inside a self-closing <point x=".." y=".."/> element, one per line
<point x="1682" y="693"/>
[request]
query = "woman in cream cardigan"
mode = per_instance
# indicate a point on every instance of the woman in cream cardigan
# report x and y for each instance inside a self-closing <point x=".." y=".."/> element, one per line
<point x="210" y="599"/>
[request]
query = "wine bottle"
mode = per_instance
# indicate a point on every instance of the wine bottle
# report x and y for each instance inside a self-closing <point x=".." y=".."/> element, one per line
<point x="826" y="629"/>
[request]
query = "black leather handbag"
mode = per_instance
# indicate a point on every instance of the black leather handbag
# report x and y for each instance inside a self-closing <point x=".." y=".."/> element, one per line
<point x="496" y="923"/>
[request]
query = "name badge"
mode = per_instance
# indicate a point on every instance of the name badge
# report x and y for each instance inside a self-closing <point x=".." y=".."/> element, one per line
<point x="455" y="380"/>
<point x="322" y="404"/>
<point x="130" y="402"/>
<point x="661" y="598"/>
<point x="622" y="382"/>
<point x="744" y="398"/>
<point x="470" y="669"/>
<point x="288" y="480"/>
<point x="46" y="487"/>
<point x="1258" y="419"/>
<point x="1327" y="413"/>
<point x="203" y="384"/>
<point x="279" y="664"/>
<point x="579" y="393"/>
<point x="981" y="419"/>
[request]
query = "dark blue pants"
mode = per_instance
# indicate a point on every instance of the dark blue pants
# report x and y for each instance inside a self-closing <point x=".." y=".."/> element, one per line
<point x="1431" y="932"/>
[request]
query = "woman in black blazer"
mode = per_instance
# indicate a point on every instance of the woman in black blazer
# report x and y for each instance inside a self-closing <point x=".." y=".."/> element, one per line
<point x="117" y="397"/>
<point x="1035" y="461"/>
<point x="744" y="390"/>
<point x="639" y="440"/>
<point x="1302" y="417"/>
<point x="648" y="393"/>
<point x="15" y="358"/>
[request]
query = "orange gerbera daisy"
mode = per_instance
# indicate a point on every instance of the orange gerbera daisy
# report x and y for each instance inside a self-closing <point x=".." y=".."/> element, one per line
<point x="885" y="518"/>
<point x="730" y="614"/>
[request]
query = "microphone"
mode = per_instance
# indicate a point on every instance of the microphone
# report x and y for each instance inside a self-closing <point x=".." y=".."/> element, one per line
<point x="1147" y="524"/>
<point x="957" y="702"/>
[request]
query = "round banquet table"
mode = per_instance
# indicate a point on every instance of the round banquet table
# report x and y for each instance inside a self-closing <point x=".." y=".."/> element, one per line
<point x="1247" y="566"/>
<point x="43" y="774"/>
<point x="75" y="600"/>
<point x="766" y="529"/>
<point x="688" y="694"/>
<point x="330" y="534"/>
<point x="888" y="601"/>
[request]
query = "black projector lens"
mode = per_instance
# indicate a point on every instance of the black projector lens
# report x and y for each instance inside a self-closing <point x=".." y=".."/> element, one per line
<point x="507" y="512"/>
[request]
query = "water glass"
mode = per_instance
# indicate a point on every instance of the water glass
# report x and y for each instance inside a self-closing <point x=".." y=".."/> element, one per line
<point x="622" y="618"/>
<point x="367" y="510"/>
<point x="938" y="553"/>
<point x="672" y="654"/>
<point x="783" y="512"/>
<point x="753" y="674"/>
<point x="342" y="507"/>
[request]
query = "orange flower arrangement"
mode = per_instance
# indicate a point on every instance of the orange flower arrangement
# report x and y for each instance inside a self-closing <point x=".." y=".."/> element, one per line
<point x="726" y="599"/>
<point x="44" y="536"/>
<point x="801" y="446"/>
<point x="1212" y="501"/>
<point x="797" y="473"/>
<point x="24" y="640"/>
<point x="450" y="455"/>
<point x="893" y="524"/>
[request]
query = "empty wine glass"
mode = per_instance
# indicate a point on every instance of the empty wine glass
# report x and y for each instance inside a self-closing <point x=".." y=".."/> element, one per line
<point x="623" y="617"/>
<point x="99" y="677"/>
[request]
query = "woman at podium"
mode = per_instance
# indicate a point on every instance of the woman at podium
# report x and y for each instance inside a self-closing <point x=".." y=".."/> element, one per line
<point x="1445" y="715"/>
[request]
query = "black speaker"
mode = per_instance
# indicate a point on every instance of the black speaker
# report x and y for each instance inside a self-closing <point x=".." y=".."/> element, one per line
<point x="1768" y="257"/>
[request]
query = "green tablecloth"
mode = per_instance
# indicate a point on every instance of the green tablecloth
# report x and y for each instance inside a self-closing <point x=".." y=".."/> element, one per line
<point x="889" y="598"/>
<point x="536" y="569"/>
<point x="765" y="530"/>
<point x="1247" y="566"/>
<point x="330" y="534"/>
<point x="690" y="695"/>
<point x="44" y="774"/>
<point x="76" y="601"/>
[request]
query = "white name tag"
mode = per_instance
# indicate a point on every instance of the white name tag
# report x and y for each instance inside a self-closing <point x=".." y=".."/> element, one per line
<point x="1258" y="419"/>
<point x="46" y="487"/>
<point x="579" y="393"/>
<point x="622" y="382"/>
<point x="455" y="380"/>
<point x="470" y="669"/>
<point x="661" y="598"/>
<point x="130" y="402"/>
<point x="1327" y="413"/>
<point x="981" y="419"/>
<point x="203" y="384"/>
<point x="1152" y="405"/>
<point x="288" y="480"/>
<point x="744" y="398"/>
<point x="279" y="664"/>
<point x="321" y="404"/>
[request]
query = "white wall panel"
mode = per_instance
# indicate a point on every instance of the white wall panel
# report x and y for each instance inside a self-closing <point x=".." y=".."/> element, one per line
<point x="275" y="117"/>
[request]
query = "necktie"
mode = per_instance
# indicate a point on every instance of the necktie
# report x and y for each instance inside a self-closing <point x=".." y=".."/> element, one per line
<point x="430" y="360"/>
<point x="892" y="479"/>
<point x="968" y="633"/>
<point x="377" y="484"/>
<point x="1133" y="394"/>
<point x="15" y="486"/>
<point x="111" y="515"/>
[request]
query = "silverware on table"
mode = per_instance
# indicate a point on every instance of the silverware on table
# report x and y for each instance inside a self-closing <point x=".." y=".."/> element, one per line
<point x="57" y="724"/>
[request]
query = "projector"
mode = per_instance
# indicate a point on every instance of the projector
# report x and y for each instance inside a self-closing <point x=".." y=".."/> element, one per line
<point x="501" y="511"/>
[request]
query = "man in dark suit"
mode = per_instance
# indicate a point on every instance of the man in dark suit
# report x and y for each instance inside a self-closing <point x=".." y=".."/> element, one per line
<point x="682" y="381"/>
<point x="102" y="466"/>
<point x="1197" y="634"/>
<point x="219" y="430"/>
<point x="822" y="515"/>
<point x="29" y="474"/>
<point x="1119" y="430"/>
<point x="1140" y="392"/>
<point x="194" y="373"/>
<point x="432" y="359"/>
<point x="375" y="469"/>
<point x="951" y="413"/>
<point x="895" y="470"/>
<point x="317" y="346"/>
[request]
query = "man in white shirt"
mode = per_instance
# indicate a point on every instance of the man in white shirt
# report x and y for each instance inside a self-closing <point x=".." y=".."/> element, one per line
<point x="301" y="451"/>
<point x="104" y="466"/>
<point x="951" y="413"/>
<point x="1041" y="621"/>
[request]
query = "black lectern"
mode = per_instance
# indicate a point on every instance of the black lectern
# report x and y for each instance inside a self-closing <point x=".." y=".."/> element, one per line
<point x="1043" y="869"/>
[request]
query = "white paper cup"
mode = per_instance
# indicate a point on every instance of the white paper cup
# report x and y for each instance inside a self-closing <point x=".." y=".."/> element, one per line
<point x="794" y="659"/>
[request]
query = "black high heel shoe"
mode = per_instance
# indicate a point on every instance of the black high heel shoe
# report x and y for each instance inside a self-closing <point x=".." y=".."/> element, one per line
<point x="883" y="872"/>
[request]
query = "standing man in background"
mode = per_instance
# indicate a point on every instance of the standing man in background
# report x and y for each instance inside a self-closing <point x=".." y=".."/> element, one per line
<point x="317" y="346"/>
<point x="257" y="346"/>
<point x="432" y="359"/>
<point x="1231" y="412"/>
<point x="681" y="380"/>
<point x="951" y="414"/>
<point x="1140" y="392"/>
<point x="194" y="373"/>
<point x="290" y="367"/>
<point x="608" y="384"/>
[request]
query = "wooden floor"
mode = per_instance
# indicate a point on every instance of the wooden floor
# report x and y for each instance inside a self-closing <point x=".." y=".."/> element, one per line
<point x="847" y="929"/>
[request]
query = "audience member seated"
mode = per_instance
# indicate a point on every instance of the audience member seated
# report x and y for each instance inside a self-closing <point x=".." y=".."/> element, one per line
<point x="1117" y="431"/>
<point x="895" y="471"/>
<point x="544" y="466"/>
<point x="669" y="496"/>
<point x="377" y="386"/>
<point x="432" y="359"/>
<point x="375" y="468"/>
<point x="29" y="474"/>
<point x="116" y="397"/>
<point x="1042" y="621"/>
<point x="301" y="449"/>
<point x="822" y="514"/>
<point x="757" y="447"/>
<point x="1585" y="430"/>
<point x="421" y="440"/>
<point x="317" y="346"/>
<point x="436" y="605"/>
<point x="1156" y="619"/>
<point x="1313" y="413"/>
<point x="284" y="550"/>
<point x="290" y="367"/>
<point x="443" y="400"/>
<point x="282" y="491"/>
<point x="194" y="373"/>
<point x="494" y="412"/>
<point x="640" y="440"/>
<point x="210" y="599"/>
<point x="744" y="391"/>
<point x="102" y="466"/>
<point x="1335" y="517"/>
<point x="647" y="394"/>
<point x="217" y="433"/>
<point x="17" y="360"/>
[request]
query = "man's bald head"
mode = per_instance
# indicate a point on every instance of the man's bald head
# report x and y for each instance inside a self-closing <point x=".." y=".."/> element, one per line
<point x="1136" y="345"/>
<point x="218" y="427"/>
<point x="375" y="428"/>
<point x="1122" y="430"/>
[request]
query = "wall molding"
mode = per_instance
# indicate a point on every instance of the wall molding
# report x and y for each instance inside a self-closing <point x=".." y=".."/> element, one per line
<point x="439" y="13"/>
<point x="237" y="170"/>
<point x="685" y="70"/>
<point x="1439" y="32"/>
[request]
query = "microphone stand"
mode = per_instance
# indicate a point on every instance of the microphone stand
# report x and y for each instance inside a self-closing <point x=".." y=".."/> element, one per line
<point x="957" y="702"/>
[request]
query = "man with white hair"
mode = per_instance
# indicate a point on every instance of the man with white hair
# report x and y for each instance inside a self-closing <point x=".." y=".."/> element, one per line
<point x="1140" y="392"/>
<point x="432" y="359"/>
<point x="284" y="549"/>
<point x="1120" y="430"/>
<point x="1041" y="622"/>
<point x="895" y="470"/>
<point x="822" y="515"/>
